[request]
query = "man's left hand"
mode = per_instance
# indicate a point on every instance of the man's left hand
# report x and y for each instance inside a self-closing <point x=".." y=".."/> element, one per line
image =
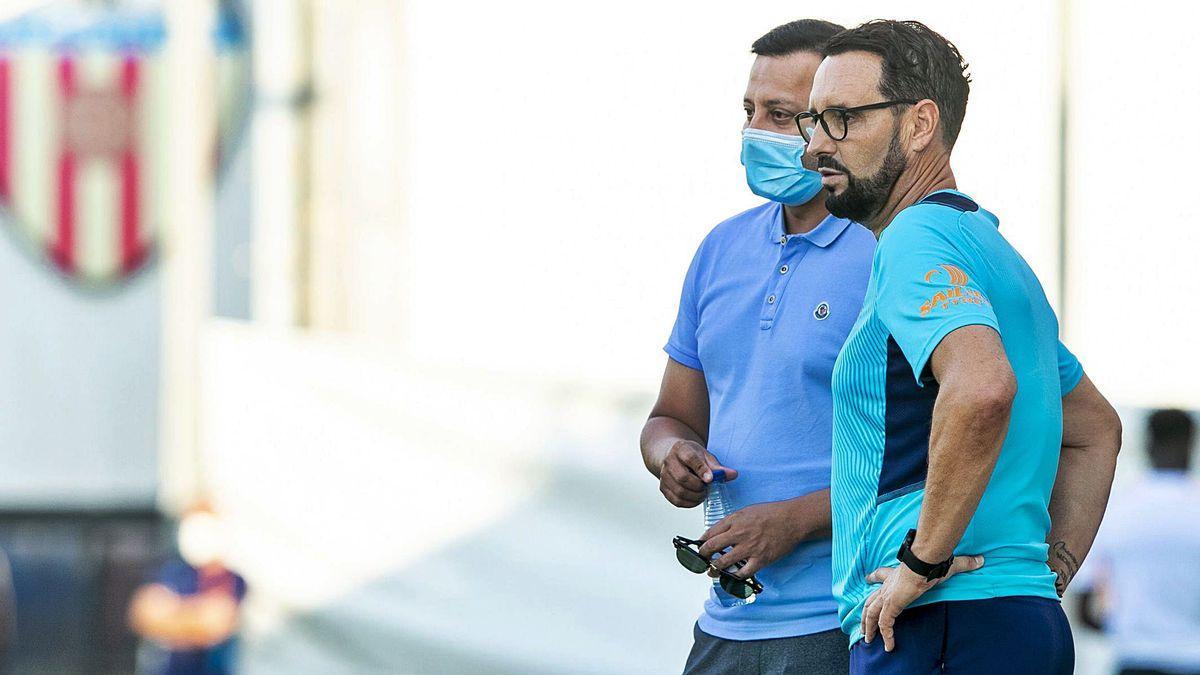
<point x="760" y="534"/>
<point x="901" y="586"/>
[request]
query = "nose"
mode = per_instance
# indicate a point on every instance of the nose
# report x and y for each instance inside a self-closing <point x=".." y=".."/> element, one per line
<point x="820" y="143"/>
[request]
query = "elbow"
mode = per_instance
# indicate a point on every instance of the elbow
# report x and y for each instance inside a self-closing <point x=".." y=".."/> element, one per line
<point x="985" y="404"/>
<point x="1113" y="429"/>
<point x="992" y="400"/>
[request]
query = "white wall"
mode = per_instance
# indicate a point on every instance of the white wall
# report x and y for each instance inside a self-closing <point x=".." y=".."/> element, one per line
<point x="1134" y="233"/>
<point x="563" y="162"/>
<point x="78" y="387"/>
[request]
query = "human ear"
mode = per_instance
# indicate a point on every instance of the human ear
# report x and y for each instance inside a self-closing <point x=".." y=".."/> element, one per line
<point x="925" y="117"/>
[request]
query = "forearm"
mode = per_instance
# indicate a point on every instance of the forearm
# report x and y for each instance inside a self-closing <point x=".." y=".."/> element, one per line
<point x="964" y="444"/>
<point x="659" y="434"/>
<point x="812" y="515"/>
<point x="762" y="533"/>
<point x="1077" y="506"/>
<point x="183" y="622"/>
<point x="1086" y="464"/>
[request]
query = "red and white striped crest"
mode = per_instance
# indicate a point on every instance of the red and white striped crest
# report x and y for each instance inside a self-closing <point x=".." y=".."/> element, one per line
<point x="81" y="166"/>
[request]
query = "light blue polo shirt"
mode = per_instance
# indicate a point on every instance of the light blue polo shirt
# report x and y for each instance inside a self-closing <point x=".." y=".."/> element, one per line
<point x="763" y="315"/>
<point x="941" y="265"/>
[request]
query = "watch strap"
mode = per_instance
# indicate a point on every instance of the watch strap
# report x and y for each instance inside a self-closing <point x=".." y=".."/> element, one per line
<point x="930" y="571"/>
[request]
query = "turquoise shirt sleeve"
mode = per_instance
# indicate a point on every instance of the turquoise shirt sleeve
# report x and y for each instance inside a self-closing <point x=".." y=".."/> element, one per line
<point x="927" y="287"/>
<point x="682" y="346"/>
<point x="1070" y="371"/>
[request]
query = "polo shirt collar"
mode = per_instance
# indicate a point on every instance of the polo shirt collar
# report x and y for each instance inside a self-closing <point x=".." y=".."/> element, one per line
<point x="824" y="234"/>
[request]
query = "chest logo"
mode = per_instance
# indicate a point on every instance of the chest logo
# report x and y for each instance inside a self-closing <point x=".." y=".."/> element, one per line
<point x="821" y="312"/>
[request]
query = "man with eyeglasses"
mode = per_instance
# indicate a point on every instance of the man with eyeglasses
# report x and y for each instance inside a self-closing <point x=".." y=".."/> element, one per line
<point x="747" y="385"/>
<point x="968" y="443"/>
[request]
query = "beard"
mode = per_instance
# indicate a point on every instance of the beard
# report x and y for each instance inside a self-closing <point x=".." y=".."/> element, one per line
<point x="865" y="197"/>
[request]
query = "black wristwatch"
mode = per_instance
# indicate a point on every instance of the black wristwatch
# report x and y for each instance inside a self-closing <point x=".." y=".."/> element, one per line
<point x="930" y="571"/>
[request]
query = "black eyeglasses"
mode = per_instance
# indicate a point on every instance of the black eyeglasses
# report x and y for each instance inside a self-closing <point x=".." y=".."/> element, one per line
<point x="694" y="562"/>
<point x="836" y="121"/>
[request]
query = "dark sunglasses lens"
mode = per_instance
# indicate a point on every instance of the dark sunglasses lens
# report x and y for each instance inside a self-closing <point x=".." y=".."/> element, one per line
<point x="736" y="587"/>
<point x="691" y="560"/>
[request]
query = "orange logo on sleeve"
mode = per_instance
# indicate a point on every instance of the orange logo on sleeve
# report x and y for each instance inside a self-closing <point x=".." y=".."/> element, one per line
<point x="956" y="293"/>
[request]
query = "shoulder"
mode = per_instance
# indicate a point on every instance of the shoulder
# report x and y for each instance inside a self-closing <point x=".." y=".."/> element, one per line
<point x="852" y="251"/>
<point x="176" y="574"/>
<point x="920" y="230"/>
<point x="742" y="224"/>
<point x="176" y="567"/>
<point x="920" y="221"/>
<point x="239" y="584"/>
<point x="857" y="238"/>
<point x="738" y="230"/>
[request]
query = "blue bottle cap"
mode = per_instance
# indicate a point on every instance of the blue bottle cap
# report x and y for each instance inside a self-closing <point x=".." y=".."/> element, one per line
<point x="718" y="475"/>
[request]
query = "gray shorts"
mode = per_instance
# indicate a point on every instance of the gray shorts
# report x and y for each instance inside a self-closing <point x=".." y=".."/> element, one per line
<point x="826" y="653"/>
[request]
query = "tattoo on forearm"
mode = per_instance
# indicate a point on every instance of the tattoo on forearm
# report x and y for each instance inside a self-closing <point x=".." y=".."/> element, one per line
<point x="1065" y="565"/>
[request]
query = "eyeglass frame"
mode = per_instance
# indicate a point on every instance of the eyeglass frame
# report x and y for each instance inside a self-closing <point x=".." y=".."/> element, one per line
<point x="819" y="117"/>
<point x="684" y="544"/>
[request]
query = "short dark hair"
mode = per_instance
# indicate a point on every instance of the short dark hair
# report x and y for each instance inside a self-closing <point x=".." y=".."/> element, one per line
<point x="1172" y="433"/>
<point x="918" y="63"/>
<point x="804" y="35"/>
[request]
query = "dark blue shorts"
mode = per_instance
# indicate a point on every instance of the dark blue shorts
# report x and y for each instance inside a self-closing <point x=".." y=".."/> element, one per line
<point x="1022" y="634"/>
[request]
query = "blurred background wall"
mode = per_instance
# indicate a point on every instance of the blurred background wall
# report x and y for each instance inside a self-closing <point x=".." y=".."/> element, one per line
<point x="405" y="317"/>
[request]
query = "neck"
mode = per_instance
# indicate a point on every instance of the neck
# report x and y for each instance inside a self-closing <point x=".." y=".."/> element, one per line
<point x="928" y="174"/>
<point x="804" y="217"/>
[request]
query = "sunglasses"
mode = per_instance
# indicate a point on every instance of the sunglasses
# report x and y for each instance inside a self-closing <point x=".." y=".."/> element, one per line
<point x="694" y="562"/>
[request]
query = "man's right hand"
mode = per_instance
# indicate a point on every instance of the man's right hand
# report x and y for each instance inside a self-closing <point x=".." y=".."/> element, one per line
<point x="686" y="472"/>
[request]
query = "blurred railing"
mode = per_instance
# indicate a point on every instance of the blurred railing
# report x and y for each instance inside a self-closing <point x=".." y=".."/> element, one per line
<point x="72" y="575"/>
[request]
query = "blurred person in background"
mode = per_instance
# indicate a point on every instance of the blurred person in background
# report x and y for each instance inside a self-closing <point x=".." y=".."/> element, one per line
<point x="8" y="612"/>
<point x="746" y="387"/>
<point x="188" y="617"/>
<point x="1142" y="580"/>
<point x="955" y="404"/>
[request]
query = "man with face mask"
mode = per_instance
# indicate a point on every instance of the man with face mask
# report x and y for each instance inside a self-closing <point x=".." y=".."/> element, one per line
<point x="968" y="443"/>
<point x="746" y="388"/>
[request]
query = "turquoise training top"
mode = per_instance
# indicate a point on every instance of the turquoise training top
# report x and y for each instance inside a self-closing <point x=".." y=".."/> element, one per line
<point x="941" y="265"/>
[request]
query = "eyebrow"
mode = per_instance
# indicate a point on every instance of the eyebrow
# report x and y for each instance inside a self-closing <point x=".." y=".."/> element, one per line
<point x="773" y="102"/>
<point x="835" y="105"/>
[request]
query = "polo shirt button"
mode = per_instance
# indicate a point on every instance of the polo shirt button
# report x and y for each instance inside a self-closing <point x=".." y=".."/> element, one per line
<point x="783" y="270"/>
<point x="783" y="239"/>
<point x="771" y="299"/>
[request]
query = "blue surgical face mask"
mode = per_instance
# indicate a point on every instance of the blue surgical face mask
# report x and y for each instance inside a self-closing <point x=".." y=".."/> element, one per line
<point x="773" y="168"/>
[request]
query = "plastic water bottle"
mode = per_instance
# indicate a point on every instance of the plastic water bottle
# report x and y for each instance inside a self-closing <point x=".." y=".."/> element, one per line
<point x="716" y="507"/>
